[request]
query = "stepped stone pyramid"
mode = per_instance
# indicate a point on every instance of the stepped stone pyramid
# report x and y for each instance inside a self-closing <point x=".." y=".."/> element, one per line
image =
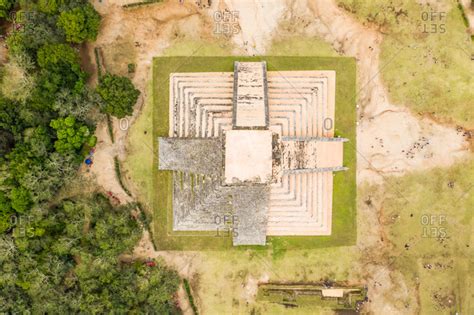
<point x="252" y="151"/>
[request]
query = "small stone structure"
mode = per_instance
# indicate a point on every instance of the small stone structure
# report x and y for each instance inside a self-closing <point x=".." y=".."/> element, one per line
<point x="254" y="146"/>
<point x="250" y="97"/>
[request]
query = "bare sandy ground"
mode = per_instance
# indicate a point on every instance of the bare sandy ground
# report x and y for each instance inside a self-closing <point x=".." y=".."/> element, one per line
<point x="469" y="11"/>
<point x="183" y="301"/>
<point x="257" y="21"/>
<point x="103" y="168"/>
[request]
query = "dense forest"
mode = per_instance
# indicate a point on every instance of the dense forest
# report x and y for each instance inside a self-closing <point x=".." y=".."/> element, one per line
<point x="63" y="256"/>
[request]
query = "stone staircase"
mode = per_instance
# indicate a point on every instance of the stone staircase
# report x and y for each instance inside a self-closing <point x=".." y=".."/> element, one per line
<point x="301" y="104"/>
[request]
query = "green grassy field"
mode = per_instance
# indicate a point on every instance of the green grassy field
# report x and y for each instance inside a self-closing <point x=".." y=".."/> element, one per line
<point x="428" y="221"/>
<point x="344" y="204"/>
<point x="301" y="46"/>
<point x="433" y="215"/>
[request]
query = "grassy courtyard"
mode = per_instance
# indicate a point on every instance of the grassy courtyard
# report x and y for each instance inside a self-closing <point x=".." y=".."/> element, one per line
<point x="344" y="200"/>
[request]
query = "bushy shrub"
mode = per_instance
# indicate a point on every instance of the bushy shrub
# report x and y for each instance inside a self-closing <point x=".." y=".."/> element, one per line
<point x="119" y="95"/>
<point x="80" y="24"/>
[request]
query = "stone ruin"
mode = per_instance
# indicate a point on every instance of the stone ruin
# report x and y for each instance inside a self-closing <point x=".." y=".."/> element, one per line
<point x="254" y="146"/>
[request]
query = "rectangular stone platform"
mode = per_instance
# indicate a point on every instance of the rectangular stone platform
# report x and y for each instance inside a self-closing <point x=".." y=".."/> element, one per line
<point x="250" y="95"/>
<point x="250" y="206"/>
<point x="248" y="157"/>
<point x="311" y="154"/>
<point x="197" y="156"/>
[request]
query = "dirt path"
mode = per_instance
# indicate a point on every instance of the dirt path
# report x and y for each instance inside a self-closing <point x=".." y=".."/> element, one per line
<point x="184" y="262"/>
<point x="469" y="11"/>
<point x="183" y="301"/>
<point x="103" y="168"/>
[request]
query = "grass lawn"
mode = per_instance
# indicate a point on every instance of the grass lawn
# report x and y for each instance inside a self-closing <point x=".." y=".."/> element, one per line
<point x="344" y="198"/>
<point x="301" y="46"/>
<point x="431" y="212"/>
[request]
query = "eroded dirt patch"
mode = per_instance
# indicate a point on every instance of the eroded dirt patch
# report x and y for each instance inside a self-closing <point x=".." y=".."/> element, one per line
<point x="390" y="138"/>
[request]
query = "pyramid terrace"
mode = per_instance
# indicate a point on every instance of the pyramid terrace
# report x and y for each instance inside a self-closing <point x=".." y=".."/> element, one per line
<point x="259" y="147"/>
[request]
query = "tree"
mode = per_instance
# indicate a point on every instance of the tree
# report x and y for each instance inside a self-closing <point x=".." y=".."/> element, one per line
<point x="50" y="6"/>
<point x="51" y="263"/>
<point x="40" y="29"/>
<point x="39" y="141"/>
<point x="60" y="59"/>
<point x="71" y="135"/>
<point x="10" y="117"/>
<point x="79" y="105"/>
<point x="18" y="79"/>
<point x="5" y="7"/>
<point x="20" y="199"/>
<point x="119" y="95"/>
<point x="20" y="161"/>
<point x="80" y="24"/>
<point x="60" y="69"/>
<point x="45" y="179"/>
<point x="6" y="142"/>
<point x="5" y="212"/>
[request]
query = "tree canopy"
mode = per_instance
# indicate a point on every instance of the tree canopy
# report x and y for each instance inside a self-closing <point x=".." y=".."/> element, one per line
<point x="42" y="85"/>
<point x="63" y="256"/>
<point x="55" y="262"/>
<point x="60" y="69"/>
<point x="5" y="7"/>
<point x="119" y="95"/>
<point x="50" y="6"/>
<point x="71" y="135"/>
<point x="80" y="24"/>
<point x="20" y="199"/>
<point x="18" y="78"/>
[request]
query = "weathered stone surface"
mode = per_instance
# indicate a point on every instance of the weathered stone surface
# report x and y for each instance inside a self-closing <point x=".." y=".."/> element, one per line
<point x="313" y="154"/>
<point x="250" y="95"/>
<point x="248" y="156"/>
<point x="200" y="203"/>
<point x="250" y="204"/>
<point x="198" y="156"/>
